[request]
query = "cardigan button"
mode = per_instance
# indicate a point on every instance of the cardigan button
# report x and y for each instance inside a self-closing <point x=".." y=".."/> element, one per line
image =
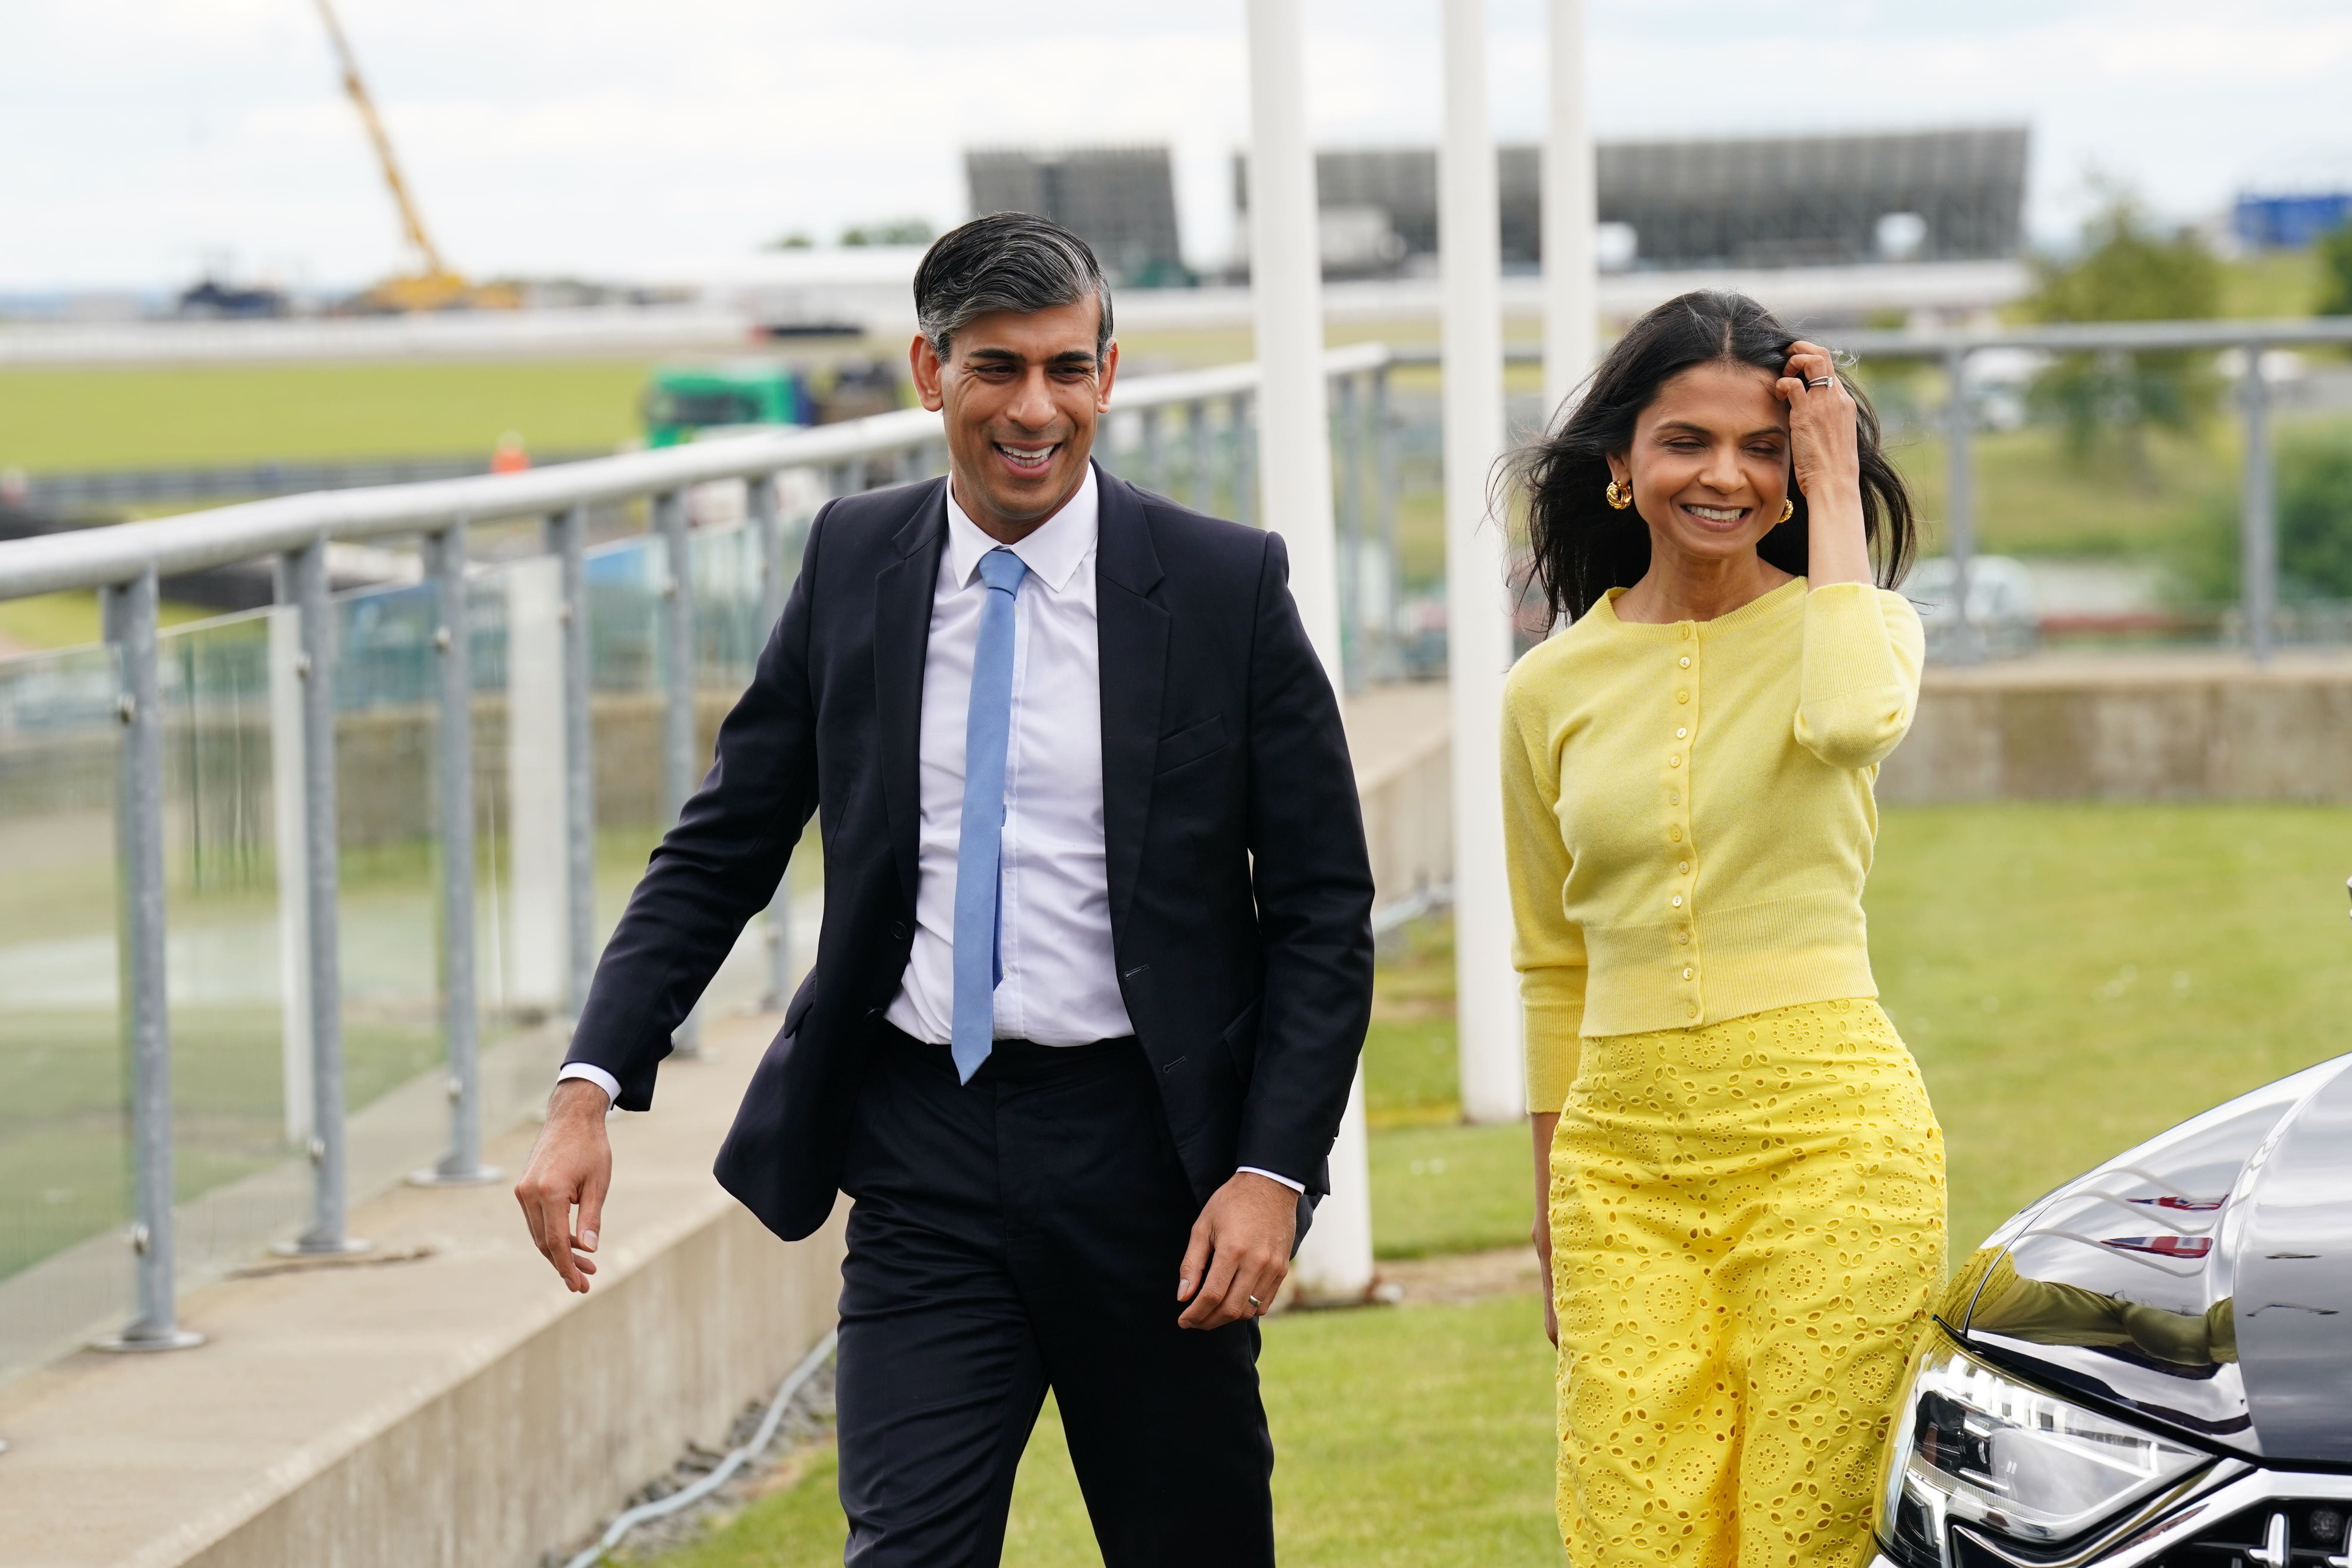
<point x="1684" y="661"/>
<point x="1677" y="901"/>
<point x="1686" y="972"/>
<point x="1682" y="696"/>
<point x="1675" y="761"/>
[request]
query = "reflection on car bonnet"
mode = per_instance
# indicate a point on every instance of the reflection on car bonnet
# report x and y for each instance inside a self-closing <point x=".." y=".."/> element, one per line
<point x="2041" y="1313"/>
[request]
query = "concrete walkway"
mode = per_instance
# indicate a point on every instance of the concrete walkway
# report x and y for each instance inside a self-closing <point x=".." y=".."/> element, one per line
<point x="441" y="1400"/>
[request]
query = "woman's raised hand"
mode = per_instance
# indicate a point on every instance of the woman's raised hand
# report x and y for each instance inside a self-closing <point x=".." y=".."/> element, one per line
<point x="1826" y="458"/>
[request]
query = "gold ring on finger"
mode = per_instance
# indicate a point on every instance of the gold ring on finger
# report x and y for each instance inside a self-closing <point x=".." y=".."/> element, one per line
<point x="1259" y="1305"/>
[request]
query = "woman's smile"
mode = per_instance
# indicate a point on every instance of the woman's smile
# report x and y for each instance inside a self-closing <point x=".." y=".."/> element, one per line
<point x="1716" y="518"/>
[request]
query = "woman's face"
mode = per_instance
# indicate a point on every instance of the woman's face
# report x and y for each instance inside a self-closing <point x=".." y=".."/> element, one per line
<point x="1709" y="463"/>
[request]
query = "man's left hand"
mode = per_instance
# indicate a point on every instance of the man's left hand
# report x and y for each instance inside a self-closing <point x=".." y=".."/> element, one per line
<point x="1239" y="1250"/>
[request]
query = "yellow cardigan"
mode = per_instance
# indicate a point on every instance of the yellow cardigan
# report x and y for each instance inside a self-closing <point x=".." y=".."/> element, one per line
<point x="1687" y="812"/>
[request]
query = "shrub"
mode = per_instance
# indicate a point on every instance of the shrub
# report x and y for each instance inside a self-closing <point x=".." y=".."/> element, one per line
<point x="2314" y="525"/>
<point x="2336" y="272"/>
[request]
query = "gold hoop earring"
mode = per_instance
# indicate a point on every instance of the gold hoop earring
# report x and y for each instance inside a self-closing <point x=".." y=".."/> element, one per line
<point x="1788" y="509"/>
<point x="1618" y="496"/>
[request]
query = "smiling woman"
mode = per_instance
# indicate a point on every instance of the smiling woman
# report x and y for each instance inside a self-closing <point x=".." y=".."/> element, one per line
<point x="1739" y="1183"/>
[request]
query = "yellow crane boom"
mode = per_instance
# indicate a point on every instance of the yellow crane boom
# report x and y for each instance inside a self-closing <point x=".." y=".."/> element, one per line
<point x="433" y="286"/>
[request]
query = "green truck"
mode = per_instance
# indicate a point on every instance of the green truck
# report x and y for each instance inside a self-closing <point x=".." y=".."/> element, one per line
<point x="681" y="402"/>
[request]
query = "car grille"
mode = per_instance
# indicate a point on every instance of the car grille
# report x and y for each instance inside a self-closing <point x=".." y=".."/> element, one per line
<point x="2316" y="1532"/>
<point x="2316" y="1538"/>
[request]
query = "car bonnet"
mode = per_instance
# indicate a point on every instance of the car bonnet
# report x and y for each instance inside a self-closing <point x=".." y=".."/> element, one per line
<point x="2202" y="1280"/>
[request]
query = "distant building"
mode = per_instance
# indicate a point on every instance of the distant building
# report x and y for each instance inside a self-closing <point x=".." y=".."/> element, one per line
<point x="1121" y="200"/>
<point x="2289" y="222"/>
<point x="1779" y="201"/>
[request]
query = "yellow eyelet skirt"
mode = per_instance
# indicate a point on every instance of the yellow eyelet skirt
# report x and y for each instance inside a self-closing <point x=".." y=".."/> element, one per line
<point x="1747" y="1221"/>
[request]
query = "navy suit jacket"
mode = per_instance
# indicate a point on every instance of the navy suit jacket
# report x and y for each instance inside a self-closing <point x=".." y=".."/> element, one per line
<point x="1240" y="892"/>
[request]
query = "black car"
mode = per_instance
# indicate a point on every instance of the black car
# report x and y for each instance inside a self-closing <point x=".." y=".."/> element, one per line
<point x="2151" y="1366"/>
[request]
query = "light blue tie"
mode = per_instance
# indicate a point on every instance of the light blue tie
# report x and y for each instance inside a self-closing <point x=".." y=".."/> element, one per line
<point x="987" y="729"/>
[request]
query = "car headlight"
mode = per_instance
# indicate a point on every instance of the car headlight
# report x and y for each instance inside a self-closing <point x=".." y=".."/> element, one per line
<point x="1974" y="1446"/>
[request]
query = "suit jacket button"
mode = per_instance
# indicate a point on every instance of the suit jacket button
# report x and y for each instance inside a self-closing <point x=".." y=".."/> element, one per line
<point x="897" y="930"/>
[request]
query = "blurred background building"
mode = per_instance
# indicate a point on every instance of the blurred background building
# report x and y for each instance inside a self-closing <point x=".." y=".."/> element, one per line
<point x="1122" y="200"/>
<point x="1756" y="201"/>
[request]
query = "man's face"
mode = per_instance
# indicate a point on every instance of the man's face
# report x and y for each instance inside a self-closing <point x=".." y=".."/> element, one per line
<point x="1022" y="394"/>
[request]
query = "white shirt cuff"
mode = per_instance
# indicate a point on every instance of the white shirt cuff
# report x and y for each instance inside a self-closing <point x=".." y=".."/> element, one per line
<point x="1253" y="1170"/>
<point x="595" y="1075"/>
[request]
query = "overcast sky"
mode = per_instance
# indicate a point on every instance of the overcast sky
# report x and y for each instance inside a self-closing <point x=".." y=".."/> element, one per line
<point x="138" y="137"/>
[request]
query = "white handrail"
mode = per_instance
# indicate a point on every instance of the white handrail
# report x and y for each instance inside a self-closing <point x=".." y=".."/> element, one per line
<point x="188" y="542"/>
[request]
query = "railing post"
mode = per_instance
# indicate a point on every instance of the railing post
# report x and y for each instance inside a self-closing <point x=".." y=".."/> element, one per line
<point x="1384" y="457"/>
<point x="772" y="566"/>
<point x="1349" y="408"/>
<point x="678" y="681"/>
<point x="130" y="615"/>
<point x="1153" y="478"/>
<point x="1196" y="428"/>
<point x="1967" y="645"/>
<point x="567" y="539"/>
<point x="306" y="569"/>
<point x="291" y="834"/>
<point x="445" y="568"/>
<point x="1245" y="425"/>
<point x="2258" y="525"/>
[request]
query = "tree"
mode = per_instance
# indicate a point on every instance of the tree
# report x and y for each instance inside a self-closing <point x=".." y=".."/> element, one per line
<point x="2336" y="272"/>
<point x="2129" y="271"/>
<point x="890" y="231"/>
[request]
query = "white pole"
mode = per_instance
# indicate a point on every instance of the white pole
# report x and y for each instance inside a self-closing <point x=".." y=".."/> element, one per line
<point x="1479" y="623"/>
<point x="1570" y="213"/>
<point x="1293" y="427"/>
<point x="1294" y="434"/>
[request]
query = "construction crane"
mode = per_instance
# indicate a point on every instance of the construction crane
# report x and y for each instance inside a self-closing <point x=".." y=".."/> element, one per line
<point x="432" y="286"/>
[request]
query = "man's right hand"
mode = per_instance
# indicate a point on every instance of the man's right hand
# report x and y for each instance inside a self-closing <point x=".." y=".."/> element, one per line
<point x="570" y="1164"/>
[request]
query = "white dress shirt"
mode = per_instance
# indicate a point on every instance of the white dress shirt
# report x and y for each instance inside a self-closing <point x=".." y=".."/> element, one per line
<point x="1060" y="985"/>
<point x="1061" y="978"/>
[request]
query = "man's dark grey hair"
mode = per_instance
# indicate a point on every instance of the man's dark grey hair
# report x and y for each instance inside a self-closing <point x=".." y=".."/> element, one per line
<point x="1006" y="261"/>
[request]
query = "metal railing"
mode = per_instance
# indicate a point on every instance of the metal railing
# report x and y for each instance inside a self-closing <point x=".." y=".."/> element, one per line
<point x="2258" y="514"/>
<point x="1179" y="433"/>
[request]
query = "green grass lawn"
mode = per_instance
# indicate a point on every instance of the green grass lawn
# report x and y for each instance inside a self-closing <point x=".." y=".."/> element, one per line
<point x="1407" y="1438"/>
<point x="152" y="416"/>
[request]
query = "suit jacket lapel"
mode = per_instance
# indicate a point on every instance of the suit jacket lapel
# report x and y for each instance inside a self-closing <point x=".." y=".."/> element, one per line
<point x="1132" y="638"/>
<point x="903" y="591"/>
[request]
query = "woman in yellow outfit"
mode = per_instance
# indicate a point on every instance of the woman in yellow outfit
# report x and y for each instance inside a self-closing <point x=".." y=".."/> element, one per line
<point x="1738" y="1178"/>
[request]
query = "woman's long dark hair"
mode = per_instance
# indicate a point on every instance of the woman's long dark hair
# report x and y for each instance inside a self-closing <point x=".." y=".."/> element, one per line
<point x="1582" y="547"/>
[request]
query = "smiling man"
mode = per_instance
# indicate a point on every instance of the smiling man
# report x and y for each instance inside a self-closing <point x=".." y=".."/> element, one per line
<point x="1096" y="959"/>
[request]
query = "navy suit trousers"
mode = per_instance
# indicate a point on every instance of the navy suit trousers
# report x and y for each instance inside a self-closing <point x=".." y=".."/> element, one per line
<point x="1020" y="1233"/>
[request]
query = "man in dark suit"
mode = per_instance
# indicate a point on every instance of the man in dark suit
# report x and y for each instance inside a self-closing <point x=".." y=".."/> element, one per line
<point x="1095" y="963"/>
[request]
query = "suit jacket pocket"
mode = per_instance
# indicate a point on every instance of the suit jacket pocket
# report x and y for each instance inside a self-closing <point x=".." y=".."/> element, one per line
<point x="1191" y="744"/>
<point x="1241" y="1042"/>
